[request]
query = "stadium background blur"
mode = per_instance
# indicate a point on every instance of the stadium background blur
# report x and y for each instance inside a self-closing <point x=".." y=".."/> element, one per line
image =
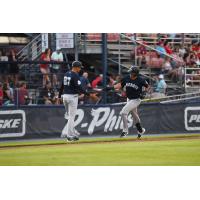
<point x="30" y="75"/>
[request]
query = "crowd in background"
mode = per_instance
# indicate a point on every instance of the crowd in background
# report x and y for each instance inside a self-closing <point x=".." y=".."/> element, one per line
<point x="180" y="56"/>
<point x="14" y="91"/>
<point x="13" y="88"/>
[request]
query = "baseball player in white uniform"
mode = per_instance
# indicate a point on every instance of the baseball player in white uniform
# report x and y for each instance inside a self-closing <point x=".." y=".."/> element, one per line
<point x="70" y="89"/>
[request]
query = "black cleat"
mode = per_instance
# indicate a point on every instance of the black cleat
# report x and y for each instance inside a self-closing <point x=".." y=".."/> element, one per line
<point x="70" y="139"/>
<point x="141" y="133"/>
<point x="124" y="134"/>
<point x="75" y="138"/>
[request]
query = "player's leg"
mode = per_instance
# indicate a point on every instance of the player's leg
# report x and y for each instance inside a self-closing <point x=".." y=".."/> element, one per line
<point x="136" y="119"/>
<point x="135" y="116"/>
<point x="66" y="116"/>
<point x="130" y="105"/>
<point x="72" y="108"/>
<point x="124" y="114"/>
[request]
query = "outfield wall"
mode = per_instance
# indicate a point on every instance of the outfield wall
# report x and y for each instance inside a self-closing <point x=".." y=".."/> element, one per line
<point x="104" y="120"/>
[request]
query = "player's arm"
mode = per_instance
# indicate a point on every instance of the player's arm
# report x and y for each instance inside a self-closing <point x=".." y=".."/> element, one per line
<point x="117" y="86"/>
<point x="146" y="88"/>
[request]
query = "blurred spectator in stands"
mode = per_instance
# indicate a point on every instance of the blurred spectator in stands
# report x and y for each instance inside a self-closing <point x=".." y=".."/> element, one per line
<point x="118" y="79"/>
<point x="198" y="54"/>
<point x="156" y="63"/>
<point x="13" y="69"/>
<point x="161" y="50"/>
<point x="44" y="68"/>
<point x="143" y="62"/>
<point x="160" y="87"/>
<point x="55" y="68"/>
<point x="167" y="47"/>
<point x="97" y="81"/>
<point x="21" y="95"/>
<point x="182" y="51"/>
<point x="1" y="67"/>
<point x="195" y="47"/>
<point x="167" y="67"/>
<point x="8" y="97"/>
<point x="1" y="94"/>
<point x="4" y="67"/>
<point x="84" y="81"/>
<point x="48" y="95"/>
<point x="172" y="36"/>
<point x="85" y="85"/>
<point x="111" y="80"/>
<point x="140" y="51"/>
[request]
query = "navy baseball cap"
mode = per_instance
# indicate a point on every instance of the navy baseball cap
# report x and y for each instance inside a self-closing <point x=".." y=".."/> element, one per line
<point x="77" y="64"/>
<point x="134" y="69"/>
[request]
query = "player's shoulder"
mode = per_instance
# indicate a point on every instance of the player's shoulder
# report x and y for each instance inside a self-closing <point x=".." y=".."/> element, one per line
<point x="68" y="73"/>
<point x="143" y="80"/>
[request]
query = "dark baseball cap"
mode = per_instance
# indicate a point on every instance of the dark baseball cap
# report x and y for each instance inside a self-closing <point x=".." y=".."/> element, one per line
<point x="77" y="64"/>
<point x="134" y="70"/>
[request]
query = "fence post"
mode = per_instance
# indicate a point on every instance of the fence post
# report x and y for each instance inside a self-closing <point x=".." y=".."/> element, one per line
<point x="76" y="46"/>
<point x="105" y="64"/>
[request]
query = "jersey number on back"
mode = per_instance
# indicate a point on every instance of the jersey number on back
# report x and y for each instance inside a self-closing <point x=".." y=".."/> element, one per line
<point x="67" y="80"/>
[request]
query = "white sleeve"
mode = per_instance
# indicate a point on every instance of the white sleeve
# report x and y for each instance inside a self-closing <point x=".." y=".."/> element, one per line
<point x="61" y="56"/>
<point x="53" y="56"/>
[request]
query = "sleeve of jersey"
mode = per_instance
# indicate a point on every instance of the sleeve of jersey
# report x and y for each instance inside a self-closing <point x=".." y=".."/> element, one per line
<point x="80" y="88"/>
<point x="145" y="83"/>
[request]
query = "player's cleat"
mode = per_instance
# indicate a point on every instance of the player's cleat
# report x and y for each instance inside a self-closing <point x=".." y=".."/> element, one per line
<point x="124" y="134"/>
<point x="75" y="138"/>
<point x="141" y="133"/>
<point x="70" y="139"/>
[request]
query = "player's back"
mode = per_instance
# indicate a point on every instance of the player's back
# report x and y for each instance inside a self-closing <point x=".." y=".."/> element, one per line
<point x="70" y="82"/>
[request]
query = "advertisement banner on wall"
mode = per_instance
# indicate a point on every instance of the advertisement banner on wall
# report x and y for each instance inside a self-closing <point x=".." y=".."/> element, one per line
<point x="46" y="121"/>
<point x="12" y="123"/>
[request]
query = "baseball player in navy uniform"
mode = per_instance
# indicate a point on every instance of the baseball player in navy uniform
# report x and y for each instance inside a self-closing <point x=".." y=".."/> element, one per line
<point x="70" y="89"/>
<point x="135" y="87"/>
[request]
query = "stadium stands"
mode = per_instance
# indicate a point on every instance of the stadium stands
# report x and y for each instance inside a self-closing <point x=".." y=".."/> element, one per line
<point x="122" y="53"/>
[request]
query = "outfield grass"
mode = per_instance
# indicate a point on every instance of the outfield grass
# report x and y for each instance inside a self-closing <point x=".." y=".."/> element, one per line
<point x="118" y="153"/>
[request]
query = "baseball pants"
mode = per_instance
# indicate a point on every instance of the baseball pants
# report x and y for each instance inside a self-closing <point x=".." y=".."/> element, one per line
<point x="71" y="103"/>
<point x="130" y="107"/>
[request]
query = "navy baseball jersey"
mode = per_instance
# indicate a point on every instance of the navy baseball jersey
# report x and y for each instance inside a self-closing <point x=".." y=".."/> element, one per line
<point x="133" y="87"/>
<point x="72" y="84"/>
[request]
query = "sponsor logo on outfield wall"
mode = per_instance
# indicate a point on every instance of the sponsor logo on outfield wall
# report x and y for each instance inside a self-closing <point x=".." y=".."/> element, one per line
<point x="192" y="118"/>
<point x="103" y="116"/>
<point x="12" y="123"/>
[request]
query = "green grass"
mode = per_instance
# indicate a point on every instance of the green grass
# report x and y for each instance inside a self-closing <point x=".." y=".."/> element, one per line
<point x="126" y="153"/>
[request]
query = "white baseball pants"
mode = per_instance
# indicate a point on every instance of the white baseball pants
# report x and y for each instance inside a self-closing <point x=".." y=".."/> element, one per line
<point x="131" y="106"/>
<point x="71" y="103"/>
